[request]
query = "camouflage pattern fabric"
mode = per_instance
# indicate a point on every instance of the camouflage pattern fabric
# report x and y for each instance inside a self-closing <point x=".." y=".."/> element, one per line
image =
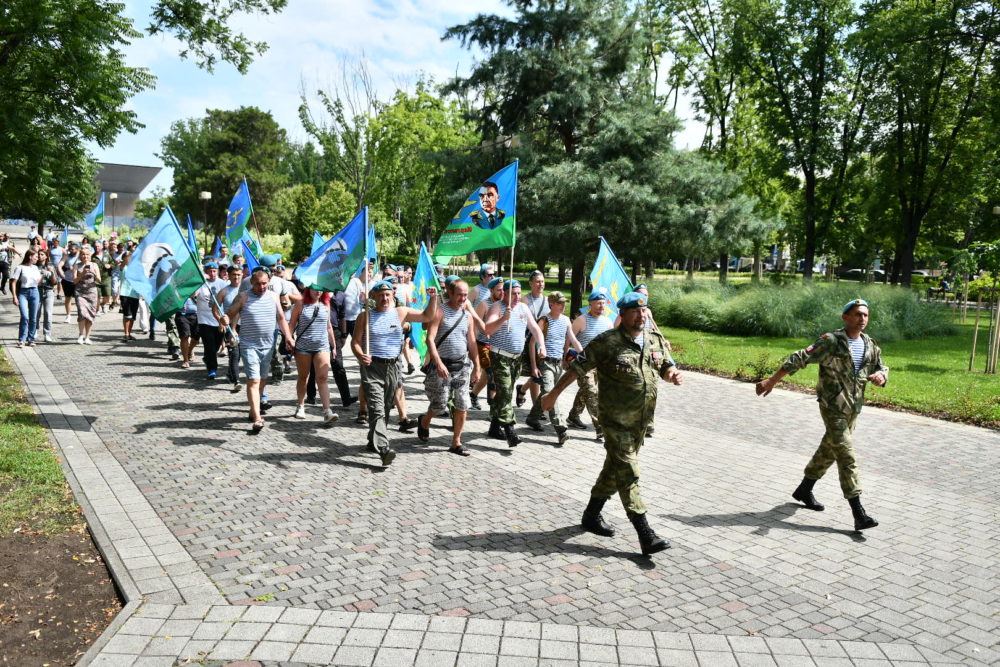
<point x="505" y="371"/>
<point x="839" y="389"/>
<point x="551" y="370"/>
<point x="586" y="397"/>
<point x="627" y="379"/>
<point x="837" y="446"/>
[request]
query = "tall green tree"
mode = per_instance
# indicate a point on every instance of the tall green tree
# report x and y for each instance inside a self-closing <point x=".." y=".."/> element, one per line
<point x="213" y="154"/>
<point x="65" y="82"/>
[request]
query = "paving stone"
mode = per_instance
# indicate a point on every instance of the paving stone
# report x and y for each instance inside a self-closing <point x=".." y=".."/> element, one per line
<point x="314" y="654"/>
<point x="273" y="651"/>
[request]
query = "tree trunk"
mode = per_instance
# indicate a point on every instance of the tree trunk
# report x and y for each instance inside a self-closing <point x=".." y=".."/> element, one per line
<point x="810" y="252"/>
<point x="723" y="267"/>
<point x="911" y="229"/>
<point x="562" y="273"/>
<point x="576" y="288"/>
<point x="649" y="269"/>
<point x="757" y="264"/>
<point x="689" y="265"/>
<point x="635" y="271"/>
<point x="895" y="264"/>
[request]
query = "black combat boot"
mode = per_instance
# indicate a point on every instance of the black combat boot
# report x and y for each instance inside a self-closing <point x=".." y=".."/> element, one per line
<point x="533" y="424"/>
<point x="861" y="518"/>
<point x="804" y="494"/>
<point x="495" y="430"/>
<point x="593" y="521"/>
<point x="510" y="436"/>
<point x="648" y="540"/>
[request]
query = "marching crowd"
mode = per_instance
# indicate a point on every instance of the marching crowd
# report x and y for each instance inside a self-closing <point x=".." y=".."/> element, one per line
<point x="516" y="344"/>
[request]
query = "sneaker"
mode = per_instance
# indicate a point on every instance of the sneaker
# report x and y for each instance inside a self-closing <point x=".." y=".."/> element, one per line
<point x="175" y="356"/>
<point x="67" y="320"/>
<point x="48" y="338"/>
<point x="20" y="343"/>
<point x="86" y="341"/>
<point x="79" y="340"/>
<point x="31" y="343"/>
<point x="330" y="417"/>
<point x="236" y="387"/>
<point x="211" y="375"/>
<point x="300" y="412"/>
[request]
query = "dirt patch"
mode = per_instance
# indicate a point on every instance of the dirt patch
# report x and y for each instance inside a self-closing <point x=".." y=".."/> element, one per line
<point x="56" y="597"/>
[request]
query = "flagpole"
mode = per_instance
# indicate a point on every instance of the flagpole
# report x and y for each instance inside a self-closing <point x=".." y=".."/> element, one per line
<point x="253" y="214"/>
<point x="368" y="317"/>
<point x="510" y="293"/>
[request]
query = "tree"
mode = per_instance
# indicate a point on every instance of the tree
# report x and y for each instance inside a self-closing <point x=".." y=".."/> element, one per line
<point x="150" y="206"/>
<point x="65" y="82"/>
<point x="216" y="152"/>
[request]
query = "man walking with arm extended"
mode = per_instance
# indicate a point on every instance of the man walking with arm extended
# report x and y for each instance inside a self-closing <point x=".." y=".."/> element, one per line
<point x="586" y="327"/>
<point x="559" y="339"/>
<point x="848" y="360"/>
<point x="629" y="360"/>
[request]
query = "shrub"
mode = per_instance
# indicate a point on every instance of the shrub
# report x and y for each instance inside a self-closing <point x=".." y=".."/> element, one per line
<point x="800" y="311"/>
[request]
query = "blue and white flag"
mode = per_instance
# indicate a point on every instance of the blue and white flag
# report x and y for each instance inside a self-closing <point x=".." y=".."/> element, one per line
<point x="94" y="220"/>
<point x="238" y="214"/>
<point x="330" y="268"/>
<point x="317" y="242"/>
<point x="192" y="243"/>
<point x="609" y="274"/>
<point x="425" y="276"/>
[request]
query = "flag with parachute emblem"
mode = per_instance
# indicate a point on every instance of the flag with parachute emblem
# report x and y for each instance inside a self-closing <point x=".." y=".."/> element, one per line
<point x="488" y="219"/>
<point x="330" y="268"/>
<point x="163" y="270"/>
<point x="609" y="274"/>
<point x="238" y="214"/>
<point x="423" y="277"/>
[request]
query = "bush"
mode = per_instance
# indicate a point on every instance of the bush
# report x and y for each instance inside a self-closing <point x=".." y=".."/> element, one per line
<point x="800" y="311"/>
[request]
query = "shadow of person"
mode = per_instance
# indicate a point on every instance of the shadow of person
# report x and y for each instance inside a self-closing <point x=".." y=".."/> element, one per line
<point x="764" y="521"/>
<point x="537" y="543"/>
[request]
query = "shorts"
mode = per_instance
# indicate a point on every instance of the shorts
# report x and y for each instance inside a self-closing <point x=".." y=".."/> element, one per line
<point x="130" y="307"/>
<point x="187" y="325"/>
<point x="438" y="389"/>
<point x="105" y="288"/>
<point x="69" y="288"/>
<point x="256" y="360"/>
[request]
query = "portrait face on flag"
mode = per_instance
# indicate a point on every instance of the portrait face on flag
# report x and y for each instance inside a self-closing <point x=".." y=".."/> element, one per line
<point x="487" y="219"/>
<point x="489" y="216"/>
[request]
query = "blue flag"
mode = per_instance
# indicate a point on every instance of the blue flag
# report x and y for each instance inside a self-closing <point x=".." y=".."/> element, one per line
<point x="372" y="253"/>
<point x="330" y="268"/>
<point x="238" y="214"/>
<point x="487" y="219"/>
<point x="251" y="259"/>
<point x="95" y="219"/>
<point x="64" y="239"/>
<point x="217" y="248"/>
<point x="192" y="243"/>
<point x="317" y="242"/>
<point x="251" y="243"/>
<point x="163" y="270"/>
<point x="423" y="277"/>
<point x="609" y="274"/>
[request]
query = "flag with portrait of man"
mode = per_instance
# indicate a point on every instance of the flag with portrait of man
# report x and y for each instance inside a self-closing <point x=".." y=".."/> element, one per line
<point x="487" y="219"/>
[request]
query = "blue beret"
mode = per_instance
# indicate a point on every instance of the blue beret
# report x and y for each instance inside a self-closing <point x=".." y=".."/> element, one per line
<point x="640" y="286"/>
<point x="211" y="265"/>
<point x="510" y="284"/>
<point x="450" y="279"/>
<point x="632" y="300"/>
<point x="391" y="280"/>
<point x="483" y="268"/>
<point x="269" y="260"/>
<point x="381" y="286"/>
<point x="851" y="304"/>
<point x="598" y="294"/>
<point x="439" y="266"/>
<point x="493" y="283"/>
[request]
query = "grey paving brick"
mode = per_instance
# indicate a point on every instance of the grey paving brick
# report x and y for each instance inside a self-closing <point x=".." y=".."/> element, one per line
<point x="232" y="650"/>
<point x="314" y="654"/>
<point x="354" y="656"/>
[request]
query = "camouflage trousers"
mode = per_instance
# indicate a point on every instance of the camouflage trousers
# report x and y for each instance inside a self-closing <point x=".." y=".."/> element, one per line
<point x="380" y="380"/>
<point x="586" y="396"/>
<point x="621" y="467"/>
<point x="836" y="446"/>
<point x="505" y="372"/>
<point x="551" y="370"/>
<point x="173" y="340"/>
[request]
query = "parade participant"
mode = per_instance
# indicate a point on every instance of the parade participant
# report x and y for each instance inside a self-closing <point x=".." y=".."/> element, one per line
<point x="7" y="254"/>
<point x="288" y="296"/>
<point x="118" y="256"/>
<point x="227" y="295"/>
<point x="587" y="327"/>
<point x="315" y="343"/>
<point x="129" y="304"/>
<point x="381" y="370"/>
<point x="337" y="358"/>
<point x="848" y="360"/>
<point x="24" y="289"/>
<point x="67" y="276"/>
<point x="208" y="326"/>
<point x="628" y="360"/>
<point x="105" y="259"/>
<point x="495" y="287"/>
<point x="643" y="289"/>
<point x="46" y="294"/>
<point x="259" y="314"/>
<point x="187" y="330"/>
<point x="506" y="327"/>
<point x="486" y="275"/>
<point x="56" y="254"/>
<point x="559" y="339"/>
<point x="452" y="362"/>
<point x="88" y="276"/>
<point x="538" y="305"/>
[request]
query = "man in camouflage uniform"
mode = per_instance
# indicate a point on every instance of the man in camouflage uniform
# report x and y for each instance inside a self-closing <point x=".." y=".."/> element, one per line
<point x="848" y="360"/>
<point x="629" y="360"/>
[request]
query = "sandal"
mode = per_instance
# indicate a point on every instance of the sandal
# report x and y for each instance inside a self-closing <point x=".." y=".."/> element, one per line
<point x="460" y="450"/>
<point x="362" y="418"/>
<point x="257" y="426"/>
<point x="423" y="434"/>
<point x="521" y="391"/>
<point x="186" y="365"/>
<point x="408" y="423"/>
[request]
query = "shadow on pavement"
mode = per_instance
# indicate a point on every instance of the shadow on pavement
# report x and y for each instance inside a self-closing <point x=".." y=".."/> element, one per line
<point x="537" y="543"/>
<point x="764" y="521"/>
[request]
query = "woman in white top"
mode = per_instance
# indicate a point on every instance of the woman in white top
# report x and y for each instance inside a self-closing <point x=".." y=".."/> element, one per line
<point x="24" y="286"/>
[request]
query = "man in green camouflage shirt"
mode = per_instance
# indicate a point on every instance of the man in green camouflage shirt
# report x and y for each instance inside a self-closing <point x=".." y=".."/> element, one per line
<point x="629" y="360"/>
<point x="848" y="360"/>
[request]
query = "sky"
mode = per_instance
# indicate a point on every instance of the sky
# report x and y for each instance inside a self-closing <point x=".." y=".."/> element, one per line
<point x="308" y="42"/>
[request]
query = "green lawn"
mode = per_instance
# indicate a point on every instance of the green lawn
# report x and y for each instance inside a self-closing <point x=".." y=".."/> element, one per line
<point x="32" y="485"/>
<point x="928" y="375"/>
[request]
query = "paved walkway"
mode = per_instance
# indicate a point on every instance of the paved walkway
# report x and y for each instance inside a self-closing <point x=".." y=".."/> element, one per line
<point x="293" y="546"/>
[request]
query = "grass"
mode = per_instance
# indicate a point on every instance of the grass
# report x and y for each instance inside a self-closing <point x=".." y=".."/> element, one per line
<point x="34" y="490"/>
<point x="927" y="375"/>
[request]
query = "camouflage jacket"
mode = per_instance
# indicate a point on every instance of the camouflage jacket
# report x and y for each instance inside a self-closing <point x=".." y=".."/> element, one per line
<point x="627" y="376"/>
<point x="839" y="388"/>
